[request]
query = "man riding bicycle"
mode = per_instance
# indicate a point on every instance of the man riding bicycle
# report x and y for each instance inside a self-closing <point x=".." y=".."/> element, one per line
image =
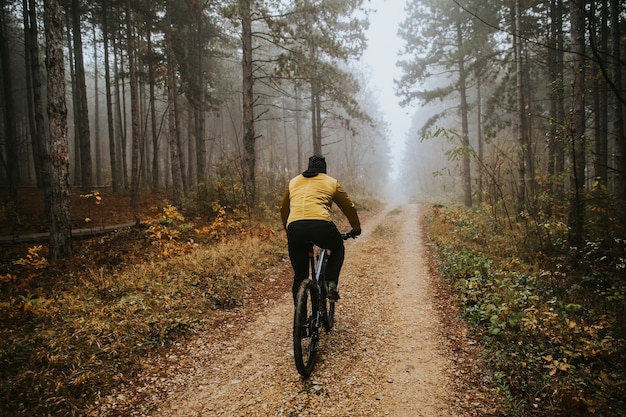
<point x="305" y="213"/>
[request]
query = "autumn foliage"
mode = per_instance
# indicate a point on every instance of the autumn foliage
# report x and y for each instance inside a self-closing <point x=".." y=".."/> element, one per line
<point x="550" y="317"/>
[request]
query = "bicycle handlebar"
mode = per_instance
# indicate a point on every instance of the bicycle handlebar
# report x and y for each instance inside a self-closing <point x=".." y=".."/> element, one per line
<point x="348" y="235"/>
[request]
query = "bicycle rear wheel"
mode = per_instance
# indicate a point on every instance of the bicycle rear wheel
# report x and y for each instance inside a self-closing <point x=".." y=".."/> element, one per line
<point x="328" y="318"/>
<point x="329" y="314"/>
<point x="305" y="333"/>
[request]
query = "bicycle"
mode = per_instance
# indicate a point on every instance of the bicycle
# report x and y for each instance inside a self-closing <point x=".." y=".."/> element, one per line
<point x="313" y="310"/>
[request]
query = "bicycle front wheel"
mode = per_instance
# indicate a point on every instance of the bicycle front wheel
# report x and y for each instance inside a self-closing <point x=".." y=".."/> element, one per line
<point x="305" y="332"/>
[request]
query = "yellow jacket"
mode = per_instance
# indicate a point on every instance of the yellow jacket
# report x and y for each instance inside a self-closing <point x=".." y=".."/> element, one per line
<point x="311" y="199"/>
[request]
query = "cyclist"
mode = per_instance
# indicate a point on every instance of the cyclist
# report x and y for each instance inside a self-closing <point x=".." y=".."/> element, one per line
<point x="305" y="213"/>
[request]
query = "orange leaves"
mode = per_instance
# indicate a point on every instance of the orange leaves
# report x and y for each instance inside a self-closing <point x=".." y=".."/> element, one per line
<point x="165" y="229"/>
<point x="97" y="199"/>
<point x="94" y="195"/>
<point x="33" y="260"/>
<point x="555" y="365"/>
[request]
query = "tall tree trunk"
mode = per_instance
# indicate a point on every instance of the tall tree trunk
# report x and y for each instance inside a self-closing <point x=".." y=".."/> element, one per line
<point x="32" y="129"/>
<point x="561" y="136"/>
<point x="286" y="136"/>
<point x="249" y="159"/>
<point x="200" y="119"/>
<point x="317" y="141"/>
<point x="317" y="114"/>
<point x="599" y="38"/>
<point x="618" y="116"/>
<point x="57" y="191"/>
<point x="299" y="126"/>
<point x="75" y="100"/>
<point x="39" y="132"/>
<point x="192" y="155"/>
<point x="134" y="110"/>
<point x="10" y="132"/>
<point x="115" y="177"/>
<point x="479" y="134"/>
<point x="96" y="98"/>
<point x="179" y="144"/>
<point x="82" y="119"/>
<point x="464" y="110"/>
<point x="177" y="177"/>
<point x="577" y="126"/>
<point x="153" y="123"/>
<point x="143" y="126"/>
<point x="200" y="124"/>
<point x="556" y="155"/>
<point x="120" y="110"/>
<point x="522" y="123"/>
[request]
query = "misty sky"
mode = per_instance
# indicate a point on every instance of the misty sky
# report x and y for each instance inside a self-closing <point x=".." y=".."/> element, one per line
<point x="381" y="56"/>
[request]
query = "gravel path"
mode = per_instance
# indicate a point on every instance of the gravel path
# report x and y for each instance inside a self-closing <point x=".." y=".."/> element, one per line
<point x="388" y="354"/>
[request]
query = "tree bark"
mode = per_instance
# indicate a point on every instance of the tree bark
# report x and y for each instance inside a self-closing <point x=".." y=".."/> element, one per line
<point x="577" y="126"/>
<point x="522" y="123"/>
<point x="39" y="132"/>
<point x="96" y="98"/>
<point x="115" y="177"/>
<point x="57" y="191"/>
<point x="177" y="177"/>
<point x="200" y="122"/>
<point x="82" y="117"/>
<point x="70" y="50"/>
<point x="153" y="123"/>
<point x="134" y="110"/>
<point x="120" y="111"/>
<point x="12" y="165"/>
<point x="599" y="36"/>
<point x="466" y="168"/>
<point x="618" y="116"/>
<point x="479" y="133"/>
<point x="249" y="158"/>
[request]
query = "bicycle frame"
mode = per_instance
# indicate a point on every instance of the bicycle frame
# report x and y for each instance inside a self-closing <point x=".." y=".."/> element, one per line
<point x="317" y="263"/>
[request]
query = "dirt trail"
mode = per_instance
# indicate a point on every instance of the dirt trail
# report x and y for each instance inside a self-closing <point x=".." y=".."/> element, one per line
<point x="385" y="356"/>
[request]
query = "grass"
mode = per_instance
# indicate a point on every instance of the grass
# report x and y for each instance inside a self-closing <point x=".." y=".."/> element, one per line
<point x="69" y="336"/>
<point x="74" y="331"/>
<point x="550" y="323"/>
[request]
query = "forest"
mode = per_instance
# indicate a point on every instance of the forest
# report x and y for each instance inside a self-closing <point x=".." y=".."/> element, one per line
<point x="176" y="95"/>
<point x="526" y="99"/>
<point x="192" y="115"/>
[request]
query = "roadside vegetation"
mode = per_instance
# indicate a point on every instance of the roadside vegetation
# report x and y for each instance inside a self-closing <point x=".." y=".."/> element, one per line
<point x="73" y="332"/>
<point x="550" y="318"/>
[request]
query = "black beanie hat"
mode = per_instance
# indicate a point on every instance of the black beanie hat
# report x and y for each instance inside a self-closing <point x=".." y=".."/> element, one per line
<point x="317" y="164"/>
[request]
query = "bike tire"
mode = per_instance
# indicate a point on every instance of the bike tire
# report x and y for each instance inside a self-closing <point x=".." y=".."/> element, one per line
<point x="305" y="333"/>
<point x="329" y="314"/>
<point x="328" y="307"/>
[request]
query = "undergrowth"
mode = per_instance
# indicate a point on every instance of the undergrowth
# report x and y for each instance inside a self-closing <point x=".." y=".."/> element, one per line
<point x="551" y="320"/>
<point x="72" y="333"/>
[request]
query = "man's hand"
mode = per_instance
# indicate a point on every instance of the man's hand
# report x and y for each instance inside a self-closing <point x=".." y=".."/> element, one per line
<point x="354" y="233"/>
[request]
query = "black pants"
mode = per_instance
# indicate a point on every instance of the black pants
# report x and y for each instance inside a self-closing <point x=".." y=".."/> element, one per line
<point x="325" y="235"/>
